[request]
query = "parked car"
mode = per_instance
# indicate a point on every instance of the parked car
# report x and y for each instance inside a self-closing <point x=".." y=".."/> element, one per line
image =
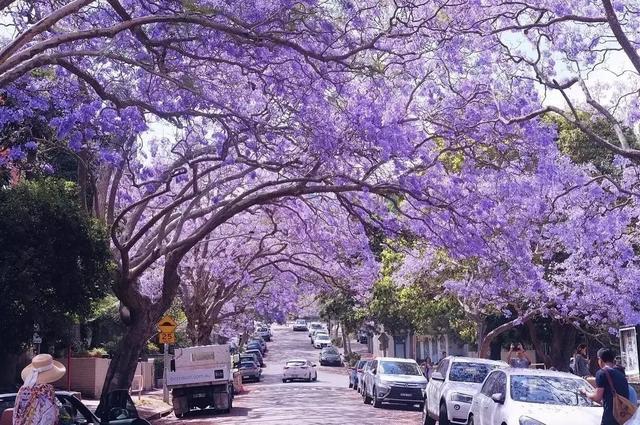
<point x="321" y="340"/>
<point x="315" y="326"/>
<point x="533" y="397"/>
<point x="250" y="370"/>
<point x="300" y="325"/>
<point x="353" y="373"/>
<point x="254" y="345"/>
<point x="316" y="333"/>
<point x="258" y="354"/>
<point x="394" y="380"/>
<point x="330" y="356"/>
<point x="453" y="384"/>
<point x="261" y="341"/>
<point x="299" y="369"/>
<point x="361" y="374"/>
<point x="119" y="408"/>
<point x="264" y="332"/>
<point x="249" y="357"/>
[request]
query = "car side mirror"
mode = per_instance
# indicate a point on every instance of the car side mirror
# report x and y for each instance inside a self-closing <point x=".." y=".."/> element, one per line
<point x="314" y="365"/>
<point x="498" y="398"/>
<point x="437" y="376"/>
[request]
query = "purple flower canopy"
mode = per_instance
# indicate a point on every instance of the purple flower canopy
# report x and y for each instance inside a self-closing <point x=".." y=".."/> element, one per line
<point x="312" y="127"/>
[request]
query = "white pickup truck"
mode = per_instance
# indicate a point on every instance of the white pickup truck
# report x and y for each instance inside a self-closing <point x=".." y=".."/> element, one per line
<point x="200" y="377"/>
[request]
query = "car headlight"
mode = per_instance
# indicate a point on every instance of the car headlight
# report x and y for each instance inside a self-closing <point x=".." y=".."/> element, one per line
<point x="461" y="398"/>
<point x="526" y="420"/>
<point x="384" y="385"/>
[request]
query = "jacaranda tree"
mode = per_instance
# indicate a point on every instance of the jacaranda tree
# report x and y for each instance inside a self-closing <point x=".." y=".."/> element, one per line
<point x="405" y="117"/>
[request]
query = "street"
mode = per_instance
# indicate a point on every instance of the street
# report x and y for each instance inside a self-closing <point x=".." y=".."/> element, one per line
<point x="327" y="401"/>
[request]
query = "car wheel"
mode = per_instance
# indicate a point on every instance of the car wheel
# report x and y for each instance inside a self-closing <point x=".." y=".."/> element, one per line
<point x="309" y="378"/>
<point x="443" y="417"/>
<point x="284" y="380"/>
<point x="470" y="421"/>
<point x="355" y="386"/>
<point x="365" y="397"/>
<point x="426" y="419"/>
<point x="376" y="402"/>
<point x="350" y="384"/>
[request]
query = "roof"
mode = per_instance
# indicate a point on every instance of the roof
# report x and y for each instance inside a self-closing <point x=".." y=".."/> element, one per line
<point x="476" y="360"/>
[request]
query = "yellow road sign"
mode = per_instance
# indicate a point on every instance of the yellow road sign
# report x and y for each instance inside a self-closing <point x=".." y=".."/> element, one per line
<point x="167" y="338"/>
<point x="167" y="325"/>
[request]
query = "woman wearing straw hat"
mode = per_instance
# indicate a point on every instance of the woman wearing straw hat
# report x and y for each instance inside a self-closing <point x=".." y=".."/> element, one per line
<point x="36" y="399"/>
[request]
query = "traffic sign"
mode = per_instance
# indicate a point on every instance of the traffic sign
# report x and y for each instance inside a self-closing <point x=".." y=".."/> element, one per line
<point x="167" y="338"/>
<point x="167" y="325"/>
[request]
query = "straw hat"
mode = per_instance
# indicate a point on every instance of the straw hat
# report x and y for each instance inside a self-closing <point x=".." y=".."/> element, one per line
<point x="46" y="369"/>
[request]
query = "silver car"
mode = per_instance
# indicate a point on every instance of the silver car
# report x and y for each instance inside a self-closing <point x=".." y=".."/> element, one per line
<point x="250" y="371"/>
<point x="394" y="380"/>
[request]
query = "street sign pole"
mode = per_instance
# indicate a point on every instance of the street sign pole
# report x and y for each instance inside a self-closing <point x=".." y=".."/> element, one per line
<point x="165" y="389"/>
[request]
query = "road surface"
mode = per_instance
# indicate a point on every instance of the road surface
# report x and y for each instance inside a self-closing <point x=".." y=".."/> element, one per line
<point x="328" y="401"/>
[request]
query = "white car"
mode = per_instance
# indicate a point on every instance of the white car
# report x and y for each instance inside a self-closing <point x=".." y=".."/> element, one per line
<point x="533" y="397"/>
<point x="315" y="326"/>
<point x="300" y="325"/>
<point x="321" y="340"/>
<point x="453" y="384"/>
<point x="299" y="369"/>
<point x="317" y="332"/>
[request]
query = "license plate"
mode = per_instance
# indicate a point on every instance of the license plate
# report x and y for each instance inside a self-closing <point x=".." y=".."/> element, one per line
<point x="405" y="394"/>
<point x="199" y="395"/>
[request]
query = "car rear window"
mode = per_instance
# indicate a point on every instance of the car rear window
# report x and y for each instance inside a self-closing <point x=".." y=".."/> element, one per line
<point x="549" y="390"/>
<point x="247" y="364"/>
<point x="330" y="351"/>
<point x="296" y="363"/>
<point x="399" y="368"/>
<point x="470" y="372"/>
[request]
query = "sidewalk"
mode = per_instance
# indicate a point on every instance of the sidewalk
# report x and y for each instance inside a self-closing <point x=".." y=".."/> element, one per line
<point x="150" y="406"/>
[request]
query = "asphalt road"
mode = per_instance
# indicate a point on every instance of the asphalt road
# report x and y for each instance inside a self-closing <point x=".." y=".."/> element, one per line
<point x="328" y="401"/>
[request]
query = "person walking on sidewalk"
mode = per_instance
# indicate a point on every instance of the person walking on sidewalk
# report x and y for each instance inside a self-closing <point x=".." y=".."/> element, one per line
<point x="609" y="381"/>
<point x="36" y="400"/>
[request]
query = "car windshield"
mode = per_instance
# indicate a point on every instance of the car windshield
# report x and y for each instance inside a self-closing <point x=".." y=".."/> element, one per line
<point x="244" y="365"/>
<point x="296" y="363"/>
<point x="322" y="337"/>
<point x="549" y="390"/>
<point x="301" y="322"/>
<point x="316" y="326"/>
<point x="330" y="351"/>
<point x="470" y="372"/>
<point x="398" y="368"/>
<point x="256" y="352"/>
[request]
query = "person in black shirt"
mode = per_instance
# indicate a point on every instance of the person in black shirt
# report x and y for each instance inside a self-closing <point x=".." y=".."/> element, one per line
<point x="604" y="393"/>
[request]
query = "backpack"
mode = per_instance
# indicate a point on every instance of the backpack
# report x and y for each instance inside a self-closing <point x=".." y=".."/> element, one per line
<point x="623" y="409"/>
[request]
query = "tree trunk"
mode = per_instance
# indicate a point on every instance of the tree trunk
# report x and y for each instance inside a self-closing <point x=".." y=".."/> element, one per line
<point x="345" y="341"/>
<point x="484" y="348"/>
<point x="8" y="370"/>
<point x="481" y="329"/>
<point x="123" y="364"/>
<point x="537" y="344"/>
<point x="563" y="339"/>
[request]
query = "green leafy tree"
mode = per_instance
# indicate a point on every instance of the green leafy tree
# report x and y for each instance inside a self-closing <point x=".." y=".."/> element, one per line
<point x="55" y="263"/>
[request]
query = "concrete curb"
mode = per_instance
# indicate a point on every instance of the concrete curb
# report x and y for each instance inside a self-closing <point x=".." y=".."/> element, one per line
<point x="159" y="414"/>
